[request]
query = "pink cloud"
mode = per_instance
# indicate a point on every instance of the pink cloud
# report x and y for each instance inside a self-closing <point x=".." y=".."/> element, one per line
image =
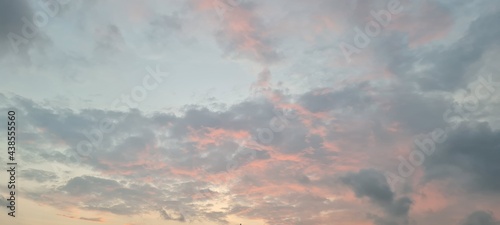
<point x="430" y="23"/>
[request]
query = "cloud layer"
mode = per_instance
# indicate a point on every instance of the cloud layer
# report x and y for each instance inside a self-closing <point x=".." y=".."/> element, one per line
<point x="261" y="118"/>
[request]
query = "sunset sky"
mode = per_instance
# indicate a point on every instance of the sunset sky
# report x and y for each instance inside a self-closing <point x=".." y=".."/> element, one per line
<point x="259" y="112"/>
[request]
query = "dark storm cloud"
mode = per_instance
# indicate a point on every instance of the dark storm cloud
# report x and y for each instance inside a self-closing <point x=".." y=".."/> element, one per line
<point x="373" y="185"/>
<point x="469" y="156"/>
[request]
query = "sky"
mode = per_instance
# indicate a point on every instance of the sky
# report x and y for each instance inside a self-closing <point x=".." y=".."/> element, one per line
<point x="251" y="112"/>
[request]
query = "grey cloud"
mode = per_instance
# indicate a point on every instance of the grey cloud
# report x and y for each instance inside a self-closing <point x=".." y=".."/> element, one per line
<point x="109" y="41"/>
<point x="293" y="208"/>
<point x="451" y="66"/>
<point x="293" y="140"/>
<point x="38" y="175"/>
<point x="417" y="113"/>
<point x="164" y="32"/>
<point x="109" y="195"/>
<point x="469" y="156"/>
<point x="11" y="14"/>
<point x="164" y="26"/>
<point x="3" y="203"/>
<point x="134" y="130"/>
<point x="91" y="219"/>
<point x="442" y="68"/>
<point x="88" y="184"/>
<point x="170" y="216"/>
<point x="352" y="96"/>
<point x="19" y="19"/>
<point x="401" y="206"/>
<point x="373" y="185"/>
<point x="480" y="218"/>
<point x="168" y="22"/>
<point x="120" y="209"/>
<point x="120" y="151"/>
<point x="250" y="115"/>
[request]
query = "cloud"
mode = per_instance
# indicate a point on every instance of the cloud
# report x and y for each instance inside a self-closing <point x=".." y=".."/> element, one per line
<point x="87" y="184"/>
<point x="164" y="161"/>
<point x="450" y="66"/>
<point x="4" y="202"/>
<point x="353" y="97"/>
<point x="38" y="175"/>
<point x="469" y="157"/>
<point x="92" y="219"/>
<point x="199" y="162"/>
<point x="105" y="194"/>
<point x="373" y="185"/>
<point x="480" y="218"/>
<point x="242" y="33"/>
<point x="169" y="216"/>
<point x="425" y="21"/>
<point x="109" y="40"/>
<point x="11" y="20"/>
